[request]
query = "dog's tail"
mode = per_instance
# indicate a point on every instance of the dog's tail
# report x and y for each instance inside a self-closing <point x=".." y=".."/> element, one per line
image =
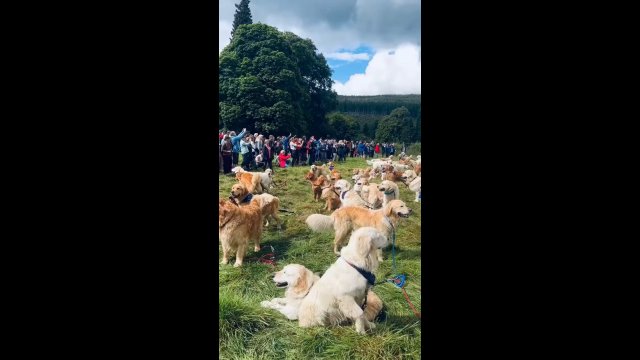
<point x="320" y="223"/>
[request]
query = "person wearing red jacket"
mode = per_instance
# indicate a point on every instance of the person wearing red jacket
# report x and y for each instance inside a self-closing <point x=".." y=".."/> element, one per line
<point x="283" y="159"/>
<point x="377" y="150"/>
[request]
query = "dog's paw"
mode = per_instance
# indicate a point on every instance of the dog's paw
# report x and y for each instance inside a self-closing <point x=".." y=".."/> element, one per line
<point x="224" y="262"/>
<point x="237" y="264"/>
<point x="265" y="304"/>
<point x="256" y="249"/>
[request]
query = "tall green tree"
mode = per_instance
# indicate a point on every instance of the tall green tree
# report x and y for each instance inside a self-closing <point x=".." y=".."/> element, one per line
<point x="342" y="126"/>
<point x="274" y="82"/>
<point x="242" y="15"/>
<point x="396" y="127"/>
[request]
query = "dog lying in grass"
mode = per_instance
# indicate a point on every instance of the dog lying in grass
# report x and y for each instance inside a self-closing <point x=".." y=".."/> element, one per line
<point x="346" y="219"/>
<point x="338" y="296"/>
<point x="298" y="281"/>
<point x="269" y="204"/>
<point x="237" y="226"/>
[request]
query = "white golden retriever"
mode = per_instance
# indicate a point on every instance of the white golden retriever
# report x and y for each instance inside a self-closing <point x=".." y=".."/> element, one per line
<point x="337" y="297"/>
<point x="298" y="280"/>
<point x="414" y="182"/>
<point x="348" y="196"/>
<point x="390" y="191"/>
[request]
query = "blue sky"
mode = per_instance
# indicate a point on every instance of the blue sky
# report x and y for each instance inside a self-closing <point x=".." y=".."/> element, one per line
<point x="343" y="69"/>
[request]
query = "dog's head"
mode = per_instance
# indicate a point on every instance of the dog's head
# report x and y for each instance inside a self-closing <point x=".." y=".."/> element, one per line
<point x="310" y="176"/>
<point x="269" y="172"/>
<point x="360" y="184"/>
<point x="335" y="175"/>
<point x="363" y="243"/>
<point x="237" y="170"/>
<point x="408" y="176"/>
<point x="342" y="185"/>
<point x="297" y="279"/>
<point x="314" y="168"/>
<point x="239" y="191"/>
<point x="387" y="187"/>
<point x="397" y="208"/>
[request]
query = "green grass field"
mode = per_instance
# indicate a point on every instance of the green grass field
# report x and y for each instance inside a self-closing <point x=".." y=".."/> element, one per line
<point x="248" y="331"/>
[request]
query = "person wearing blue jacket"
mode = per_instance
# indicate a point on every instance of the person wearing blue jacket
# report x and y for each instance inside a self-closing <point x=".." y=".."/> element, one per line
<point x="285" y="144"/>
<point x="362" y="150"/>
<point x="235" y="141"/>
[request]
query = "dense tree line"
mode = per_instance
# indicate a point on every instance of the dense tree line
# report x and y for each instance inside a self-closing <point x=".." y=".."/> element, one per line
<point x="381" y="105"/>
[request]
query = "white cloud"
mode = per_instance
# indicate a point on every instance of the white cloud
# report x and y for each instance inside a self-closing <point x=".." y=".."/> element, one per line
<point x="347" y="56"/>
<point x="390" y="71"/>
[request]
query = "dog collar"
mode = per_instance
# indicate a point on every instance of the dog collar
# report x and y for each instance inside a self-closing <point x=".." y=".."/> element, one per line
<point x="248" y="198"/>
<point x="371" y="278"/>
<point x="343" y="194"/>
<point x="389" y="193"/>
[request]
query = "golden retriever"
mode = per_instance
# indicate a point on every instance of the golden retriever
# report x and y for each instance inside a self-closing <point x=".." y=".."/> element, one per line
<point x="269" y="204"/>
<point x="372" y="195"/>
<point x="338" y="296"/>
<point x="347" y="219"/>
<point x="414" y="182"/>
<point x="251" y="180"/>
<point x="390" y="191"/>
<point x="331" y="197"/>
<point x="237" y="226"/>
<point x="298" y="280"/>
<point x="317" y="183"/>
<point x="320" y="170"/>
<point x="348" y="196"/>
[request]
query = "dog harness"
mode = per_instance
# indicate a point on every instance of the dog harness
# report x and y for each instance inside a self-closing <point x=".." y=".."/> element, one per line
<point x="248" y="198"/>
<point x="371" y="278"/>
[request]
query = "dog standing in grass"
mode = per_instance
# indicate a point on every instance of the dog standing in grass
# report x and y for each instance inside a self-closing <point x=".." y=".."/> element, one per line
<point x="346" y="219"/>
<point x="269" y="204"/>
<point x="237" y="226"/>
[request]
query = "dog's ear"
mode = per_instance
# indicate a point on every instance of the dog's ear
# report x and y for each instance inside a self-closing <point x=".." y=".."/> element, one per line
<point x="364" y="245"/>
<point x="304" y="282"/>
<point x="388" y="210"/>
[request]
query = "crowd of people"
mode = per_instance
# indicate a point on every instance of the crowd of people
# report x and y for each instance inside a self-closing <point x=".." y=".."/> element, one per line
<point x="259" y="151"/>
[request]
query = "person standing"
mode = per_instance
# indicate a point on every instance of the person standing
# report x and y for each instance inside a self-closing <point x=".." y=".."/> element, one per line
<point x="226" y="148"/>
<point x="235" y="141"/>
<point x="246" y="148"/>
<point x="377" y="150"/>
<point x="267" y="156"/>
<point x="292" y="151"/>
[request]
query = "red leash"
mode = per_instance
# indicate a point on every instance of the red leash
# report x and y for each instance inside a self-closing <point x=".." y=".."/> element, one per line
<point x="417" y="314"/>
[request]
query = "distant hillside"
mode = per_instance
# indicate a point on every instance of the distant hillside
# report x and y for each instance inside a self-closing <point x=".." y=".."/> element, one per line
<point x="377" y="106"/>
<point x="368" y="110"/>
